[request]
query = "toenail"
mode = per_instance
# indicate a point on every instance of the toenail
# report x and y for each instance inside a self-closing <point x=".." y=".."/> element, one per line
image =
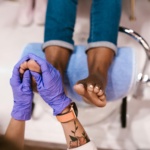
<point x="97" y="87"/>
<point x="91" y="86"/>
<point x="80" y="84"/>
<point x="100" y="91"/>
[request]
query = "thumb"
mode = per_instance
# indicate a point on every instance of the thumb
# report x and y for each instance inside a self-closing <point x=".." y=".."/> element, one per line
<point x="38" y="79"/>
<point x="26" y="81"/>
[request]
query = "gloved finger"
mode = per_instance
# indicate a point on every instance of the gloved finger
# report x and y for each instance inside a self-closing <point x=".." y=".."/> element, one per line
<point x="23" y="67"/>
<point x="48" y="71"/>
<point x="21" y="61"/>
<point x="43" y="63"/>
<point x="15" y="72"/>
<point x="38" y="79"/>
<point x="26" y="81"/>
<point x="15" y="80"/>
<point x="52" y="76"/>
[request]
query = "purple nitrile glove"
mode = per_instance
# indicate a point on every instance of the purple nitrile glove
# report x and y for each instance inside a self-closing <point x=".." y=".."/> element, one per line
<point x="49" y="85"/>
<point x="22" y="93"/>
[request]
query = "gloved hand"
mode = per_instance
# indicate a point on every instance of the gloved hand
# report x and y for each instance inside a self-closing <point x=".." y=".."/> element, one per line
<point x="22" y="93"/>
<point x="49" y="85"/>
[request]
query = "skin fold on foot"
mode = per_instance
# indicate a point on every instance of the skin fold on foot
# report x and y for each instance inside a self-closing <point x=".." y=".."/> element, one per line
<point x="92" y="88"/>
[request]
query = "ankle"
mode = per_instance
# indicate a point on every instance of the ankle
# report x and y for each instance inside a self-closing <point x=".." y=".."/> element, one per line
<point x="58" y="57"/>
<point x="100" y="59"/>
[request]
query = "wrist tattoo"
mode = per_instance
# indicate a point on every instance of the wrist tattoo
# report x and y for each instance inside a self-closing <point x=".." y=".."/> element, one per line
<point x="77" y="141"/>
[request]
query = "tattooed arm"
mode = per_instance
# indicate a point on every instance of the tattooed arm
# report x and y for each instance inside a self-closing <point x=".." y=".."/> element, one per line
<point x="50" y="87"/>
<point x="76" y="136"/>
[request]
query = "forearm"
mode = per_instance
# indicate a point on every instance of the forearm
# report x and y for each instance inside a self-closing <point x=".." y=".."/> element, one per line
<point x="74" y="133"/>
<point x="15" y="132"/>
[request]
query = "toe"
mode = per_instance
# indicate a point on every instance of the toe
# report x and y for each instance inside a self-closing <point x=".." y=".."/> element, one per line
<point x="79" y="88"/>
<point x="100" y="93"/>
<point x="103" y="100"/>
<point x="102" y="97"/>
<point x="96" y="100"/>
<point x="21" y="71"/>
<point x="90" y="87"/>
<point x="24" y="66"/>
<point x="96" y="89"/>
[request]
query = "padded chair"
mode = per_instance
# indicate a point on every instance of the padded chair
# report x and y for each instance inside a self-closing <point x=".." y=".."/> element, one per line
<point x="120" y="79"/>
<point x="142" y="76"/>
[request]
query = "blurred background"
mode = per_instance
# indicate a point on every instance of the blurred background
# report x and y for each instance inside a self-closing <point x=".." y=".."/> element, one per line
<point x="21" y="24"/>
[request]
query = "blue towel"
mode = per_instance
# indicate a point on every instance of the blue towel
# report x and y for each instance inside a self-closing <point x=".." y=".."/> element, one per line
<point x="121" y="75"/>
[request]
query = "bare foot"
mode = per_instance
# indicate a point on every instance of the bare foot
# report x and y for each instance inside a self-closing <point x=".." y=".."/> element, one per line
<point x="92" y="88"/>
<point x="55" y="55"/>
<point x="33" y="66"/>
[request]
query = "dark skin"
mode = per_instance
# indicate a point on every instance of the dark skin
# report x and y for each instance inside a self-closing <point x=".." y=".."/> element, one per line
<point x="91" y="88"/>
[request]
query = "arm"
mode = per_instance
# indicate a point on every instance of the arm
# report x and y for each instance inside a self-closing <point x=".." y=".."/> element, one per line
<point x="74" y="133"/>
<point x="83" y="142"/>
<point x="22" y="108"/>
<point x="49" y="86"/>
<point x="15" y="132"/>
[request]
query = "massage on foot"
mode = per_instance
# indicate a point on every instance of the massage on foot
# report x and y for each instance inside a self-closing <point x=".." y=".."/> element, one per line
<point x="49" y="86"/>
<point x="46" y="76"/>
<point x="91" y="91"/>
<point x="48" y="80"/>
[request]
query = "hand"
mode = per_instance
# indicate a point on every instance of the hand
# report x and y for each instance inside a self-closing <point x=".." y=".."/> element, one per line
<point x="49" y="85"/>
<point x="22" y="93"/>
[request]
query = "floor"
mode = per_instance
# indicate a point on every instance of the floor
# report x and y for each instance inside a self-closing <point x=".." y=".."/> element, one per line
<point x="104" y="129"/>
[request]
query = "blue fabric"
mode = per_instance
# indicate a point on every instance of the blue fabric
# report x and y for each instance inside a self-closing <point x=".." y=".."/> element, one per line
<point x="60" y="20"/>
<point x="121" y="75"/>
<point x="104" y="22"/>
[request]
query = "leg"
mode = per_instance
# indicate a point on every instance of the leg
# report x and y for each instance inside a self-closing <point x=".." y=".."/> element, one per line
<point x="58" y="35"/>
<point x="59" y="27"/>
<point x="40" y="11"/>
<point x="26" y="12"/>
<point x="102" y="47"/>
<point x="58" y="57"/>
